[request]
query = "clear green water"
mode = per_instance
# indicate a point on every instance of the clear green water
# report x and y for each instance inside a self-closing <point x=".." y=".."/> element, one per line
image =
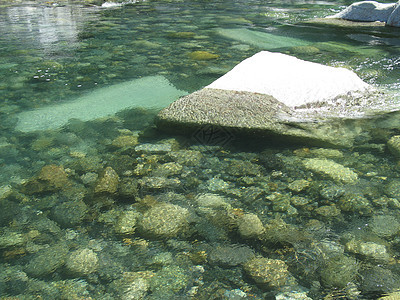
<point x="314" y="223"/>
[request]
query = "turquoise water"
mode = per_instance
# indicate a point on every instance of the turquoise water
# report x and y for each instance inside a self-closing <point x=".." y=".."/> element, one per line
<point x="104" y="206"/>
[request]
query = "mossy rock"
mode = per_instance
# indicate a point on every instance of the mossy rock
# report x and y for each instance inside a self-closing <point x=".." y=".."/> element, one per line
<point x="202" y="55"/>
<point x="181" y="35"/>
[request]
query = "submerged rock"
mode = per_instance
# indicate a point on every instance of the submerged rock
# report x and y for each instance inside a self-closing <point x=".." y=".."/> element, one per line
<point x="369" y="250"/>
<point x="82" y="262"/>
<point x="269" y="273"/>
<point x="50" y="178"/>
<point x="202" y="55"/>
<point x="394" y="145"/>
<point x="385" y="225"/>
<point x="150" y="92"/>
<point x="125" y="141"/>
<point x="230" y="255"/>
<point x="46" y="261"/>
<point x="70" y="213"/>
<point x="107" y="182"/>
<point x="9" y="239"/>
<point x="282" y="104"/>
<point x="133" y="285"/>
<point x="126" y="222"/>
<point x="250" y="226"/>
<point x="166" y="283"/>
<point x="339" y="271"/>
<point x="331" y="169"/>
<point x="164" y="221"/>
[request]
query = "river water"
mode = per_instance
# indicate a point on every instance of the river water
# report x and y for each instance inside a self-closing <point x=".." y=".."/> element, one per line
<point x="96" y="203"/>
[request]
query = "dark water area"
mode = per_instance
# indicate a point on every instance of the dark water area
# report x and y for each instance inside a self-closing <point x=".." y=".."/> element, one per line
<point x="97" y="203"/>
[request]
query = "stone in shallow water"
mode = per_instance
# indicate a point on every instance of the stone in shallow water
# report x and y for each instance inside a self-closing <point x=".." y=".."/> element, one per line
<point x="250" y="226"/>
<point x="107" y="182"/>
<point x="276" y="95"/>
<point x="331" y="169"/>
<point x="384" y="225"/>
<point x="82" y="262"/>
<point x="164" y="221"/>
<point x="202" y="55"/>
<point x="269" y="273"/>
<point x="366" y="11"/>
<point x="153" y="148"/>
<point x="394" y="145"/>
<point x="263" y="40"/>
<point x="153" y="92"/>
<point x="230" y="255"/>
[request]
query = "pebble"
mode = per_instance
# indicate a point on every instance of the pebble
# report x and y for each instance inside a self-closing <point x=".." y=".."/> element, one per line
<point x="250" y="226"/>
<point x="126" y="222"/>
<point x="393" y="145"/>
<point x="211" y="200"/>
<point x="331" y="169"/>
<point x="153" y="148"/>
<point x="384" y="225"/>
<point x="82" y="262"/>
<point x="369" y="250"/>
<point x="269" y="273"/>
<point x="164" y="221"/>
<point x="158" y="182"/>
<point x="230" y="255"/>
<point x="47" y="261"/>
<point x="299" y="185"/>
<point x="108" y="182"/>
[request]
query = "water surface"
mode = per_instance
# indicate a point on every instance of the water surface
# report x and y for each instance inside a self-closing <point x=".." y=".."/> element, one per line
<point x="58" y="211"/>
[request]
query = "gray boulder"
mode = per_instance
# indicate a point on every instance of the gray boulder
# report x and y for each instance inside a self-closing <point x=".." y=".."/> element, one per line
<point x="394" y="18"/>
<point x="277" y="95"/>
<point x="371" y="11"/>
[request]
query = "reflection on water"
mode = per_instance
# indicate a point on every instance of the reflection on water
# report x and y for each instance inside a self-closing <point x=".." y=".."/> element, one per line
<point x="111" y="208"/>
<point x="43" y="27"/>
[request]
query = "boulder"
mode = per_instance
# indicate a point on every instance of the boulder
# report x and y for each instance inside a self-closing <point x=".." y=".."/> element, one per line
<point x="276" y="95"/>
<point x="366" y="11"/>
<point x="371" y="11"/>
<point x="394" y="18"/>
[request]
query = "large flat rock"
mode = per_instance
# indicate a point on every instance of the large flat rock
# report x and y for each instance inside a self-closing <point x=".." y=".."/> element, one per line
<point x="262" y="40"/>
<point x="277" y="95"/>
<point x="152" y="92"/>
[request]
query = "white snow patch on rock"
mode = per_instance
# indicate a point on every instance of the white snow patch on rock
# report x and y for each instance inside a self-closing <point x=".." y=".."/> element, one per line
<point x="290" y="80"/>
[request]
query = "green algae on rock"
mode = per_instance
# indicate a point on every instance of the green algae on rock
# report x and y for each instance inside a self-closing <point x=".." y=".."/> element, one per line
<point x="202" y="55"/>
<point x="339" y="270"/>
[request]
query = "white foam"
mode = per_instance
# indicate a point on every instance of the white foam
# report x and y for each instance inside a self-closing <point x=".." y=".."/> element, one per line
<point x="290" y="80"/>
<point x="153" y="92"/>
